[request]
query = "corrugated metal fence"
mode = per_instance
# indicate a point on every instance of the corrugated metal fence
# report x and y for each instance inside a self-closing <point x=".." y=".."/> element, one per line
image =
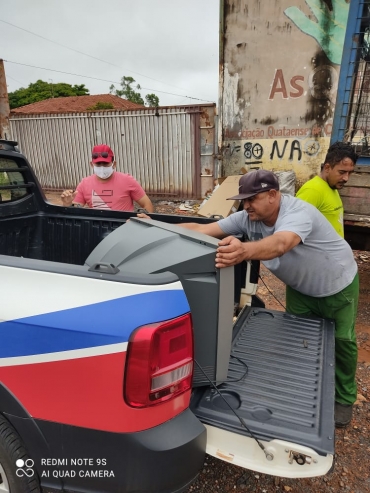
<point x="170" y="151"/>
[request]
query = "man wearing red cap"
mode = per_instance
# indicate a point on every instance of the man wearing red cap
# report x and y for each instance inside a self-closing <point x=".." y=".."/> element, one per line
<point x="107" y="188"/>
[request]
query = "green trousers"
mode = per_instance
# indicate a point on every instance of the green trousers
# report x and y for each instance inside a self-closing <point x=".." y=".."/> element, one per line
<point x="342" y="308"/>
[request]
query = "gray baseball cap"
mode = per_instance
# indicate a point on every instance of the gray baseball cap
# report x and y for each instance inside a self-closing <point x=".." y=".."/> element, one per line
<point x="256" y="182"/>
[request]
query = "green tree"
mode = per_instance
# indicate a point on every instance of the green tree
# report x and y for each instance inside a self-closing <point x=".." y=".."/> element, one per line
<point x="152" y="100"/>
<point x="40" y="90"/>
<point x="131" y="93"/>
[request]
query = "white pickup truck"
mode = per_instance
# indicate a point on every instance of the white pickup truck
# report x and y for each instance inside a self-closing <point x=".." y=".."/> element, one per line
<point x="120" y="364"/>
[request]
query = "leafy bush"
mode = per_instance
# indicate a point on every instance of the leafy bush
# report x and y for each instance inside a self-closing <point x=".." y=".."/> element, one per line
<point x="101" y="106"/>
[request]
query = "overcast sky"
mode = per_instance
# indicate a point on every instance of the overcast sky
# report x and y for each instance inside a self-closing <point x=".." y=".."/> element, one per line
<point x="165" y="45"/>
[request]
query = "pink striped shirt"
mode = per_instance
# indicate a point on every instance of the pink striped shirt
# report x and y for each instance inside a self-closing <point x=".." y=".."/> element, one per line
<point x="117" y="193"/>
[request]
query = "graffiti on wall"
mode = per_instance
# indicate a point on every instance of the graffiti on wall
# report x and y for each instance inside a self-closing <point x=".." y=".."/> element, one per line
<point x="283" y="114"/>
<point x="274" y="150"/>
<point x="302" y="156"/>
<point x="253" y="150"/>
<point x="328" y="30"/>
<point x="280" y="149"/>
<point x="274" y="131"/>
<point x="294" y="88"/>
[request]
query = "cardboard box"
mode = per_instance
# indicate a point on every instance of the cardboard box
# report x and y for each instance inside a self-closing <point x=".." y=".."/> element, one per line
<point x="217" y="204"/>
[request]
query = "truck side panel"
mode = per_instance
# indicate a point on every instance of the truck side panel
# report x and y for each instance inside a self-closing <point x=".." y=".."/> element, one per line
<point x="77" y="353"/>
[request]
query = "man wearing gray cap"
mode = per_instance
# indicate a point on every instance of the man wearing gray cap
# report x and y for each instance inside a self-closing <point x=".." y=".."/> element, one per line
<point x="299" y="245"/>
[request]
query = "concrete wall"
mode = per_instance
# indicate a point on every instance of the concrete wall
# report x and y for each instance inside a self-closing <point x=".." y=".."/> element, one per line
<point x="279" y="77"/>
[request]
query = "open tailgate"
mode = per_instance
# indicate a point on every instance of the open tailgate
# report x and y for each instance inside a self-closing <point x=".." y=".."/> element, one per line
<point x="281" y="383"/>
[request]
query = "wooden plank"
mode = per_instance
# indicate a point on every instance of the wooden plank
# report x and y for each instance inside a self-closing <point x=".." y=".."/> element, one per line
<point x="359" y="180"/>
<point x="356" y="195"/>
<point x="362" y="169"/>
<point x="357" y="220"/>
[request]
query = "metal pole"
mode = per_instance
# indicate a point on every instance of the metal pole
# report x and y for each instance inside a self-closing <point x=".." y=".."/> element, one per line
<point x="4" y="105"/>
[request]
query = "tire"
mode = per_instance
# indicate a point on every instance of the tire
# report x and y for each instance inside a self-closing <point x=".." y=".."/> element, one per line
<point x="11" y="451"/>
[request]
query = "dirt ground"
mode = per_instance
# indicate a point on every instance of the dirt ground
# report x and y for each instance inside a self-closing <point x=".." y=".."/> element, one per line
<point x="351" y="472"/>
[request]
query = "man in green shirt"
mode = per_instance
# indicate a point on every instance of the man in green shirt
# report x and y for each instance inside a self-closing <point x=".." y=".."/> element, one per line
<point x="322" y="191"/>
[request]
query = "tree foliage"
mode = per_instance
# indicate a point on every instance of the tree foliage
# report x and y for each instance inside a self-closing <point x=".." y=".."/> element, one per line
<point x="130" y="92"/>
<point x="101" y="106"/>
<point x="152" y="100"/>
<point x="40" y="90"/>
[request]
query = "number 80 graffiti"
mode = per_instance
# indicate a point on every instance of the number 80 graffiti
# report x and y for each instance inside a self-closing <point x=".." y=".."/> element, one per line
<point x="253" y="150"/>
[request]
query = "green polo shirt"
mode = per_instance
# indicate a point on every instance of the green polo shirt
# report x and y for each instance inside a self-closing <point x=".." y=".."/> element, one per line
<point x="327" y="200"/>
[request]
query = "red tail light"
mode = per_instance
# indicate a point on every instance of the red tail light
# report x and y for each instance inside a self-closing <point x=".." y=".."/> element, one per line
<point x="159" y="364"/>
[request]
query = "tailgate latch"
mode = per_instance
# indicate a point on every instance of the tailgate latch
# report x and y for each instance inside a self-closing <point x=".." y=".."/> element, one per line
<point x="300" y="458"/>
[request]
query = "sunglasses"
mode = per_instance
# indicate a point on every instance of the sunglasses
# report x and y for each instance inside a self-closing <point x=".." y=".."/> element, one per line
<point x="95" y="155"/>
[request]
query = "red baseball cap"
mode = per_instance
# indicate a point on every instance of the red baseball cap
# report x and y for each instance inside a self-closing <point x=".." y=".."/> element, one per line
<point x="102" y="154"/>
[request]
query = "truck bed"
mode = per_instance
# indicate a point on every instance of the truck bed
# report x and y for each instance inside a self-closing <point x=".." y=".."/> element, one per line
<point x="65" y="235"/>
<point x="280" y="381"/>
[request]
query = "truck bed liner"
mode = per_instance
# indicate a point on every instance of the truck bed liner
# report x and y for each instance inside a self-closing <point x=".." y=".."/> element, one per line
<point x="274" y="380"/>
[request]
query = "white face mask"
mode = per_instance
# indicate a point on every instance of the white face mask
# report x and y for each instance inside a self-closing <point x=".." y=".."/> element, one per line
<point x="103" y="172"/>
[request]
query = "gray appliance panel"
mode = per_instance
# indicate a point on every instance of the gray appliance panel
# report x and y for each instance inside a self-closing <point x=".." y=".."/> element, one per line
<point x="151" y="247"/>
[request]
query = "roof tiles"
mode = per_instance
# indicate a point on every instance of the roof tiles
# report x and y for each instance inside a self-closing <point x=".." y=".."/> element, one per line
<point x="75" y="104"/>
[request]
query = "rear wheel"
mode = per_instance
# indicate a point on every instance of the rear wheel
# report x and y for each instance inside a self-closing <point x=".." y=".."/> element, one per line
<point x="17" y="474"/>
<point x="4" y="484"/>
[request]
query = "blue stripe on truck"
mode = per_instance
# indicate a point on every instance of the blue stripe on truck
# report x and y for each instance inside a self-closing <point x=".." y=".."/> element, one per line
<point x="99" y="324"/>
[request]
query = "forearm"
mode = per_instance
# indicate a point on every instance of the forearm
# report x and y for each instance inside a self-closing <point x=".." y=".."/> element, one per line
<point x="146" y="204"/>
<point x="265" y="249"/>
<point x="210" y="229"/>
<point x="192" y="226"/>
<point x="149" y="207"/>
<point x="231" y="251"/>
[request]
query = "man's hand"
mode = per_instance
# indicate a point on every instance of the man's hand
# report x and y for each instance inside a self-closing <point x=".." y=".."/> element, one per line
<point x="230" y="251"/>
<point x="68" y="197"/>
<point x="143" y="216"/>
